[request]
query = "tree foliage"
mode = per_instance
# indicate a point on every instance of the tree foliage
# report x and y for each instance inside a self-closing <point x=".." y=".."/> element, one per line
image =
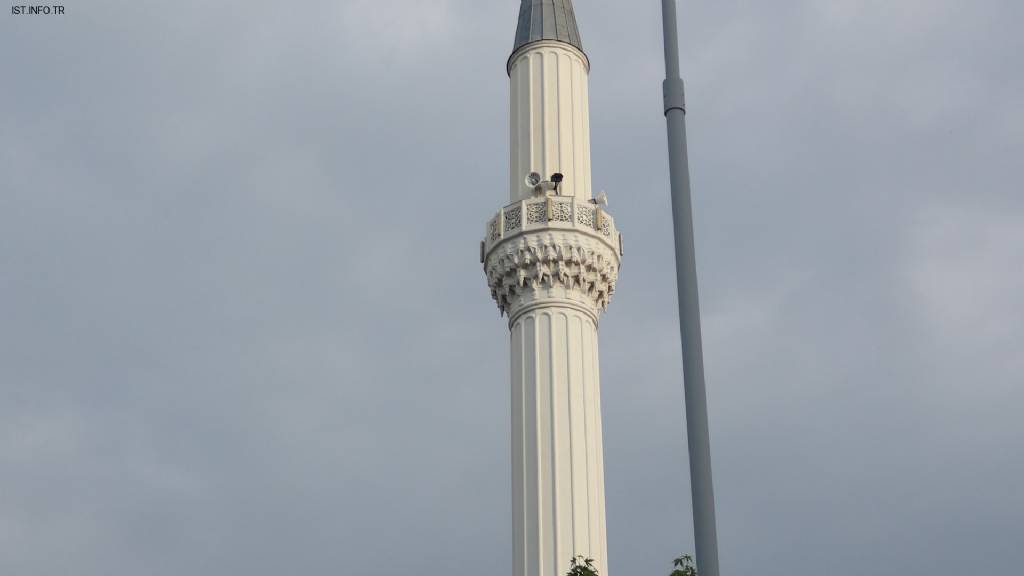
<point x="683" y="566"/>
<point x="581" y="566"/>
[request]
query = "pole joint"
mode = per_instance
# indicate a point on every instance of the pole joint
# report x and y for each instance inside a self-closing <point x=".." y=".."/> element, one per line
<point x="675" y="95"/>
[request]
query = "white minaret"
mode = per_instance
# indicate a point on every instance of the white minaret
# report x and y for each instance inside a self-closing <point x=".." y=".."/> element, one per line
<point x="552" y="259"/>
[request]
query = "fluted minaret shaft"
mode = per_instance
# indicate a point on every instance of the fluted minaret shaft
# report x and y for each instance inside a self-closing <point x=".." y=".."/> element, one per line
<point x="550" y="117"/>
<point x="552" y="260"/>
<point x="557" y="456"/>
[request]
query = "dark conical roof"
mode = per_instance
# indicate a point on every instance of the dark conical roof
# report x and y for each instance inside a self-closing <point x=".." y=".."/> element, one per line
<point x="547" y="20"/>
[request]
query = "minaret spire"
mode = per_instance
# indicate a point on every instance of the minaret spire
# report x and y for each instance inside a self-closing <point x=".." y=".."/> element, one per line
<point x="547" y="20"/>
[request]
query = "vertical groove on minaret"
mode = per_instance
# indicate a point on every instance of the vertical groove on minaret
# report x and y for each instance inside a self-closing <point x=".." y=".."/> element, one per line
<point x="571" y="495"/>
<point x="565" y="440"/>
<point x="564" y="92"/>
<point x="574" y="123"/>
<point x="547" y="454"/>
<point x="603" y="536"/>
<point x="586" y="443"/>
<point x="532" y="471"/>
<point x="586" y="136"/>
<point x="595" y="506"/>
<point x="551" y="125"/>
<point x="526" y="101"/>
<point x="556" y="517"/>
<point x="518" y="456"/>
<point x="579" y="167"/>
<point x="576" y="434"/>
<point x="536" y="135"/>
<point x="550" y="112"/>
<point x="515" y="104"/>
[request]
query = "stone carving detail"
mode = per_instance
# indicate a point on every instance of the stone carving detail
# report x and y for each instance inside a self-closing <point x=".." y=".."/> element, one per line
<point x="562" y="212"/>
<point x="493" y="231"/>
<point x="585" y="216"/>
<point x="536" y="266"/>
<point x="536" y="213"/>
<point x="513" y="219"/>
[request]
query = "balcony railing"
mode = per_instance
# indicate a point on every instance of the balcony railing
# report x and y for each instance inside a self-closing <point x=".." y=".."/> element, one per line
<point x="552" y="212"/>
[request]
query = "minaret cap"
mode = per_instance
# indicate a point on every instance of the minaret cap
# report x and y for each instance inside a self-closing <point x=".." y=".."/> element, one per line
<point x="547" y="20"/>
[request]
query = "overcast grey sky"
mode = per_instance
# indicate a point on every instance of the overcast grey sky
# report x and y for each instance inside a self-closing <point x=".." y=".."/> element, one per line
<point x="243" y="328"/>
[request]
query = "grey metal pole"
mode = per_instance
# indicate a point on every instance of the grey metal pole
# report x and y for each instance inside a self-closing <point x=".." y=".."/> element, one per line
<point x="704" y="526"/>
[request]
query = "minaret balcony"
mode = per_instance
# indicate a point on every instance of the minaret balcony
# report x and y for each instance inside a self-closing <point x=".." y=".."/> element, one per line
<point x="548" y="213"/>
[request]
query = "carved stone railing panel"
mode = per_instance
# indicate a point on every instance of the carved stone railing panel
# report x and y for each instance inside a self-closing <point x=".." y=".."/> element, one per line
<point x="585" y="216"/>
<point x="561" y="211"/>
<point x="536" y="213"/>
<point x="513" y="218"/>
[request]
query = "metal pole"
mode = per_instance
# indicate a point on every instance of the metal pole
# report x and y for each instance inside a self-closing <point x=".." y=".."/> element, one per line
<point x="704" y="527"/>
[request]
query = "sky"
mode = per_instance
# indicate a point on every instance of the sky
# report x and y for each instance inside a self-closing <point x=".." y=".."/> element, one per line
<point x="244" y="328"/>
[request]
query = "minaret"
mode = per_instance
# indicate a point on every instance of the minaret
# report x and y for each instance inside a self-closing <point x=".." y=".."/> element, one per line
<point x="552" y="258"/>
